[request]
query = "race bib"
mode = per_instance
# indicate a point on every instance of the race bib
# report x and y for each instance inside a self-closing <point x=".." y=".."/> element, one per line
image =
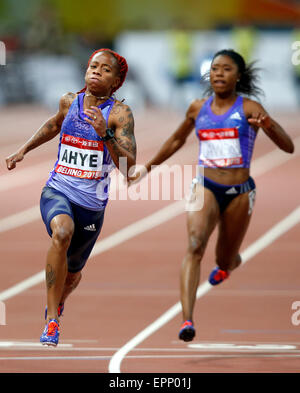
<point x="220" y="147"/>
<point x="80" y="157"/>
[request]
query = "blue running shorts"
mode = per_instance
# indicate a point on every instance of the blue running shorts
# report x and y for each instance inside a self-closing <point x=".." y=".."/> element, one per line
<point x="87" y="225"/>
<point x="224" y="194"/>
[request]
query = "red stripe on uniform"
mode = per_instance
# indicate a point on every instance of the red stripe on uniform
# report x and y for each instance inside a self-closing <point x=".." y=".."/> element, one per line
<point x="218" y="133"/>
<point x="80" y="173"/>
<point x="81" y="143"/>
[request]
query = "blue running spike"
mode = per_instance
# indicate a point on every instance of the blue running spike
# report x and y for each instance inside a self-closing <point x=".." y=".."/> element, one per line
<point x="50" y="334"/>
<point x="217" y="276"/>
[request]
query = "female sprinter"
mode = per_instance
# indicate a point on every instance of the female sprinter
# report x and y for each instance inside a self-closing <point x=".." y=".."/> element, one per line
<point x="226" y="125"/>
<point x="95" y="131"/>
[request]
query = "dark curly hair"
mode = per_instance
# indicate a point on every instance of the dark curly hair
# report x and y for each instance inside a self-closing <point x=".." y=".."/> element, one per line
<point x="247" y="83"/>
<point x="122" y="66"/>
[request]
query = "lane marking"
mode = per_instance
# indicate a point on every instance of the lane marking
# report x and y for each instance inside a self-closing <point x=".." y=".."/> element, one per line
<point x="105" y="357"/>
<point x="190" y="348"/>
<point x="241" y="347"/>
<point x="33" y="345"/>
<point x="22" y="286"/>
<point x="19" y="219"/>
<point x="30" y="345"/>
<point x="26" y="176"/>
<point x="269" y="237"/>
<point x="274" y="159"/>
<point x="262" y="331"/>
<point x="138" y="227"/>
<point x="264" y="241"/>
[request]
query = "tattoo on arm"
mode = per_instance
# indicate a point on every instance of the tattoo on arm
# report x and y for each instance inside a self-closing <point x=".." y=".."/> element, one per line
<point x="126" y="139"/>
<point x="116" y="109"/>
<point x="47" y="131"/>
<point x="49" y="127"/>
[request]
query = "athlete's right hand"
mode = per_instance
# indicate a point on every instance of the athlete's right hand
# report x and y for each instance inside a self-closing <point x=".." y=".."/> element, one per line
<point x="13" y="159"/>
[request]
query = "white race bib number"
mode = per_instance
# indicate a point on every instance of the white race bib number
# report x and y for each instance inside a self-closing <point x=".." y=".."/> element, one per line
<point x="80" y="157"/>
<point x="220" y="147"/>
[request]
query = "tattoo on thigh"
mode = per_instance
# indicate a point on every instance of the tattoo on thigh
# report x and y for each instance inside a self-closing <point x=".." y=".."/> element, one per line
<point x="50" y="276"/>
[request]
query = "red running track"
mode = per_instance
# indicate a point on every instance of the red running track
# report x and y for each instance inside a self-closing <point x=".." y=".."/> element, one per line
<point x="244" y="325"/>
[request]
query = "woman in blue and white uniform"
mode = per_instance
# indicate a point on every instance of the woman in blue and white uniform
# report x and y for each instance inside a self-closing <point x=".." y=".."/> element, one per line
<point x="226" y="125"/>
<point x="95" y="131"/>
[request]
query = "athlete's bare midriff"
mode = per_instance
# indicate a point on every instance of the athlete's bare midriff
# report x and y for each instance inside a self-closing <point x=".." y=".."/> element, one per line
<point x="227" y="176"/>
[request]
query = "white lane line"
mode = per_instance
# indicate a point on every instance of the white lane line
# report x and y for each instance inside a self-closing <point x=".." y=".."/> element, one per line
<point x="228" y="347"/>
<point x="25" y="176"/>
<point x="22" y="286"/>
<point x="138" y="227"/>
<point x="26" y="346"/>
<point x="189" y="356"/>
<point x="273" y="159"/>
<point x="264" y="241"/>
<point x="274" y="233"/>
<point x="104" y="357"/>
<point x="19" y="219"/>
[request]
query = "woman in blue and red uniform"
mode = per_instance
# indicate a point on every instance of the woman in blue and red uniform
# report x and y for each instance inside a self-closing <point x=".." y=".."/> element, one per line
<point x="95" y="131"/>
<point x="226" y="126"/>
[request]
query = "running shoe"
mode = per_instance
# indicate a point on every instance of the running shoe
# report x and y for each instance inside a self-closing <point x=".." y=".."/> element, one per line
<point x="50" y="334"/>
<point x="60" y="310"/>
<point x="187" y="331"/>
<point x="217" y="276"/>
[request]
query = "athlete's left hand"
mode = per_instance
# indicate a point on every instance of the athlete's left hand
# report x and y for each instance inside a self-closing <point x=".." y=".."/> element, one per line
<point x="136" y="174"/>
<point x="260" y="119"/>
<point x="96" y="119"/>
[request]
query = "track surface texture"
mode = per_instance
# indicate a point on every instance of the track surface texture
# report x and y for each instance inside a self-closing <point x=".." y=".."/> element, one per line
<point x="124" y="316"/>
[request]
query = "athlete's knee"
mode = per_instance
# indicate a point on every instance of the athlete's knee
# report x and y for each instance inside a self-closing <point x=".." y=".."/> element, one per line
<point x="61" y="236"/>
<point x="197" y="244"/>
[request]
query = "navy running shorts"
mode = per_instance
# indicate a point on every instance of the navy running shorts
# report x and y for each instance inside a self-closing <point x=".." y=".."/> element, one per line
<point x="87" y="225"/>
<point x="224" y="194"/>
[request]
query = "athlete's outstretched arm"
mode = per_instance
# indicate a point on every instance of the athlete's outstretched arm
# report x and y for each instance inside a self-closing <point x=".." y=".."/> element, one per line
<point x="179" y="136"/>
<point x="44" y="134"/>
<point x="260" y="118"/>
<point x="172" y="144"/>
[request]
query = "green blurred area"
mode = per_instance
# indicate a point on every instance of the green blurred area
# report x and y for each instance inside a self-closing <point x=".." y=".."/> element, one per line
<point x="118" y="15"/>
<point x="68" y="31"/>
<point x="38" y="22"/>
<point x="112" y="17"/>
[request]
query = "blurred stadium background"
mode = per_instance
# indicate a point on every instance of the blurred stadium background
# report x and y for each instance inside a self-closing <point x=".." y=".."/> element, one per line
<point x="168" y="45"/>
